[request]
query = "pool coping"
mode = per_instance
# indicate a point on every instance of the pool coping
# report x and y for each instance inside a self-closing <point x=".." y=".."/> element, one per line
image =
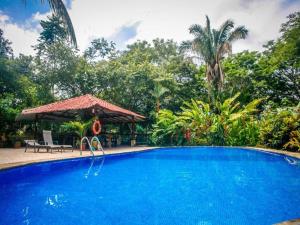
<point x="253" y="148"/>
<point x="6" y="166"/>
<point x="279" y="152"/>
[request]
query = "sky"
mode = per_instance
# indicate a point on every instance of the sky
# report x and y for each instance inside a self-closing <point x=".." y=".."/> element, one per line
<point x="126" y="21"/>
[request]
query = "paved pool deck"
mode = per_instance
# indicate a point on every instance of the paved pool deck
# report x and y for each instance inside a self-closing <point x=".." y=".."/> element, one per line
<point x="12" y="157"/>
<point x="292" y="154"/>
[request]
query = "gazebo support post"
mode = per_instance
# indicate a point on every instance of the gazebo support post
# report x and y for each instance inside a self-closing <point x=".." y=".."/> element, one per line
<point x="133" y="137"/>
<point x="35" y="127"/>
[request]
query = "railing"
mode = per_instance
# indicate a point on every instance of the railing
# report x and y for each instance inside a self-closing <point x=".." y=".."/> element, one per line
<point x="99" y="146"/>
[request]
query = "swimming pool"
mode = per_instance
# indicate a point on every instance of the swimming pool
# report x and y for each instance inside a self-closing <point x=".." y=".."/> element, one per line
<point x="197" y="185"/>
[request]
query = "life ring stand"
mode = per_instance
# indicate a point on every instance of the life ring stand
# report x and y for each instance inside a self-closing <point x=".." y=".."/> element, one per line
<point x="96" y="127"/>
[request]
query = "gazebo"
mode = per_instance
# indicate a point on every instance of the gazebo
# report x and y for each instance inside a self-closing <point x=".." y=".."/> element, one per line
<point x="86" y="106"/>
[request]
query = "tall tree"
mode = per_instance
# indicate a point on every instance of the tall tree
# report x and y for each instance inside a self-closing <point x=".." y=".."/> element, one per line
<point x="52" y="32"/>
<point x="59" y="9"/>
<point x="158" y="93"/>
<point x="56" y="58"/>
<point x="212" y="45"/>
<point x="5" y="48"/>
<point x="100" y="48"/>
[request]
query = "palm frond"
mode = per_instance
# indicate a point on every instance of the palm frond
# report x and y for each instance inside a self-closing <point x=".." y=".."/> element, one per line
<point x="58" y="7"/>
<point x="215" y="34"/>
<point x="209" y="40"/>
<point x="185" y="46"/>
<point x="203" y="46"/>
<point x="238" y="33"/>
<point x="207" y="24"/>
<point x="197" y="30"/>
<point x="224" y="31"/>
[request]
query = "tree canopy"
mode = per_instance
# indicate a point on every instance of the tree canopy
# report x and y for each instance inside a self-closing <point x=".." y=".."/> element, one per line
<point x="158" y="80"/>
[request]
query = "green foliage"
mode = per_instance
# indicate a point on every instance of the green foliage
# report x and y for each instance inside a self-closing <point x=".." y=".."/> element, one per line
<point x="280" y="127"/>
<point x="167" y="129"/>
<point x="77" y="127"/>
<point x="294" y="141"/>
<point x="53" y="31"/>
<point x="100" y="48"/>
<point x="8" y="112"/>
<point x="5" y="48"/>
<point x="225" y="123"/>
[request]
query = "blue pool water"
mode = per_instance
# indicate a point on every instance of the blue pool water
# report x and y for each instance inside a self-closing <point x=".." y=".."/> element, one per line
<point x="195" y="186"/>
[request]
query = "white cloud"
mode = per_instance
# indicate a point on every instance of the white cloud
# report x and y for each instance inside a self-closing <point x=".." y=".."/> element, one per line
<point x="24" y="36"/>
<point x="38" y="16"/>
<point x="167" y="19"/>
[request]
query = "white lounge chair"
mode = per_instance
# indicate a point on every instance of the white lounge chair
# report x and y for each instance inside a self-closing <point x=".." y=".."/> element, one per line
<point x="49" y="142"/>
<point x="36" y="146"/>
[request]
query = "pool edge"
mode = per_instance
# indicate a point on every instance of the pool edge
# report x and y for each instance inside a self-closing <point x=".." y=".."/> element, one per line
<point x="7" y="166"/>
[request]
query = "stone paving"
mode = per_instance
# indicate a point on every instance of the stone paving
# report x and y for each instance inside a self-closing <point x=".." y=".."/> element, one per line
<point x="11" y="157"/>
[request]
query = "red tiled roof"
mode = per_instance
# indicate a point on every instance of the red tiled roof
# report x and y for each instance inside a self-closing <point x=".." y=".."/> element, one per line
<point x="77" y="103"/>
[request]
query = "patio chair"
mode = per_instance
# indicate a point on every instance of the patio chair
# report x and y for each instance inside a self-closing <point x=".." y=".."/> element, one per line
<point x="49" y="142"/>
<point x="36" y="146"/>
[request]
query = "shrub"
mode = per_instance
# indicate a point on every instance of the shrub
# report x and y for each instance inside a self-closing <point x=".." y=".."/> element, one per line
<point x="280" y="128"/>
<point x="225" y="123"/>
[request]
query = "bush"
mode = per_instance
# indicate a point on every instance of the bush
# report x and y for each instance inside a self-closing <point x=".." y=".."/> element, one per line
<point x="225" y="123"/>
<point x="280" y="128"/>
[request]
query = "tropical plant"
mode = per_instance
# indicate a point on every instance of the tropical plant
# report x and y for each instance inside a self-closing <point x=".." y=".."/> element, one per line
<point x="157" y="93"/>
<point x="294" y="142"/>
<point x="196" y="115"/>
<point x="167" y="130"/>
<point x="212" y="45"/>
<point x="77" y="127"/>
<point x="279" y="128"/>
<point x="226" y="123"/>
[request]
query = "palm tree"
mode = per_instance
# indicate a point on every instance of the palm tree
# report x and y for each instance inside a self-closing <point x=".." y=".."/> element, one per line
<point x="212" y="45"/>
<point x="157" y="93"/>
<point x="58" y="8"/>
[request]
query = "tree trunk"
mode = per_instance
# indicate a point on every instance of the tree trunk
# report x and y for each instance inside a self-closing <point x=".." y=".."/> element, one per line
<point x="215" y="77"/>
<point x="157" y="105"/>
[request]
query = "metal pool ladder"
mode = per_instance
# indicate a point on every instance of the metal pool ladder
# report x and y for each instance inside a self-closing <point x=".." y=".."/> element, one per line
<point x="99" y="146"/>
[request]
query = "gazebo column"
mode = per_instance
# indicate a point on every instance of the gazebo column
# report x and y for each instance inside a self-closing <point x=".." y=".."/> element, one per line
<point x="133" y="136"/>
<point x="35" y="127"/>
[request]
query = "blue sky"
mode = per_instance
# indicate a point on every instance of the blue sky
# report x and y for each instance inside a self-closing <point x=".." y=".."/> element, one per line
<point x="127" y="21"/>
<point x="19" y="10"/>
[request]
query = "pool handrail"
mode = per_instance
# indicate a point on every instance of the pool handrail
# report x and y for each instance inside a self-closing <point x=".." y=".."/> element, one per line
<point x="90" y="146"/>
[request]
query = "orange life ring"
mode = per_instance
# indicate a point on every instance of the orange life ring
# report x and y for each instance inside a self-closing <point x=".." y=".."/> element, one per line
<point x="96" y="127"/>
